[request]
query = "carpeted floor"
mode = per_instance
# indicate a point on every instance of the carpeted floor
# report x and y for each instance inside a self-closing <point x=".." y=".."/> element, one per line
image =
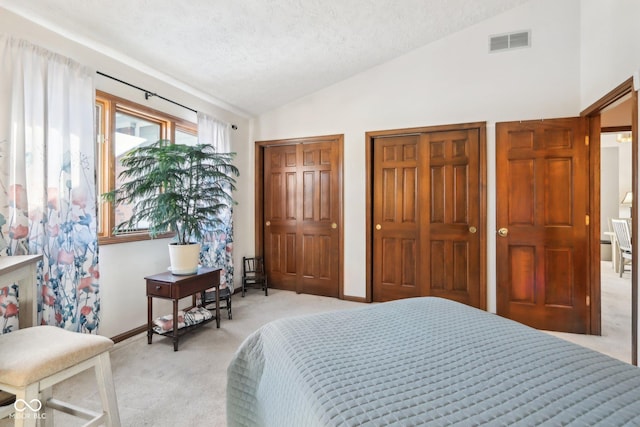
<point x="615" y="340"/>
<point x="159" y="387"/>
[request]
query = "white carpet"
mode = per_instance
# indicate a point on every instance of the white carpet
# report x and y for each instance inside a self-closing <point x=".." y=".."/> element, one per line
<point x="615" y="340"/>
<point x="158" y="387"/>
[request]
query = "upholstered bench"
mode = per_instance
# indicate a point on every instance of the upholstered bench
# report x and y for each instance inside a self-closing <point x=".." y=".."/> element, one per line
<point x="34" y="359"/>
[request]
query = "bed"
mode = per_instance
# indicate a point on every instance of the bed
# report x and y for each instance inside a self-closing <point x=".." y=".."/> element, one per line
<point x="423" y="361"/>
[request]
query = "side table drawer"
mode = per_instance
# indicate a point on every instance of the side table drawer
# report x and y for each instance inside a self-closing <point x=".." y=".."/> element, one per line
<point x="159" y="289"/>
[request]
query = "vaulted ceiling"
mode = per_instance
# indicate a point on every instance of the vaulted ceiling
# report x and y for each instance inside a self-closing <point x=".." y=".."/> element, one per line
<point x="256" y="55"/>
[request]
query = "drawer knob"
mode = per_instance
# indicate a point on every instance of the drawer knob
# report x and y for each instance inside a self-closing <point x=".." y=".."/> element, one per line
<point x="157" y="287"/>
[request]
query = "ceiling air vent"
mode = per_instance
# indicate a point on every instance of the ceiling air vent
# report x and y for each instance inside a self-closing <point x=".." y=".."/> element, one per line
<point x="509" y="41"/>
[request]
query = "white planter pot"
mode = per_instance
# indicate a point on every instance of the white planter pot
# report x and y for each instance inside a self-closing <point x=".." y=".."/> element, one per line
<point x="184" y="258"/>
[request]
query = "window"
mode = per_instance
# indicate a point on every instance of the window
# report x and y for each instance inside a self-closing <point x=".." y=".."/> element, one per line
<point x="185" y="137"/>
<point x="122" y="125"/>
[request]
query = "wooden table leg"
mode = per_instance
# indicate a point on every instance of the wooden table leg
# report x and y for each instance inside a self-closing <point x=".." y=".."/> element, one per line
<point x="175" y="324"/>
<point x="218" y="305"/>
<point x="149" y="319"/>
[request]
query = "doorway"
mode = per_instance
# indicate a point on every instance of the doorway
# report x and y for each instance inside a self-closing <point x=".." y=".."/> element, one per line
<point x="616" y="194"/>
<point x="601" y="115"/>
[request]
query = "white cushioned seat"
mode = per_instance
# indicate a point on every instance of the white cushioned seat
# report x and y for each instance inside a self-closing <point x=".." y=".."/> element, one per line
<point x="30" y="354"/>
<point x="34" y="359"/>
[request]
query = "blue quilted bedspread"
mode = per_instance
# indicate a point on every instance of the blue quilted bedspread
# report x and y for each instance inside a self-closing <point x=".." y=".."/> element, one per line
<point x="423" y="361"/>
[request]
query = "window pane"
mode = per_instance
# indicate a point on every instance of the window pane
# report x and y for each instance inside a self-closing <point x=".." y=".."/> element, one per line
<point x="185" y="138"/>
<point x="131" y="132"/>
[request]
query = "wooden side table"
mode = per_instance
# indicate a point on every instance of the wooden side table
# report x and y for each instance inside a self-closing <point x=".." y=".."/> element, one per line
<point x="169" y="286"/>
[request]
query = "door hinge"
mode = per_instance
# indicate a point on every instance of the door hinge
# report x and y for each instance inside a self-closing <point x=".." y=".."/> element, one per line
<point x="586" y="220"/>
<point x="586" y="140"/>
<point x="588" y="301"/>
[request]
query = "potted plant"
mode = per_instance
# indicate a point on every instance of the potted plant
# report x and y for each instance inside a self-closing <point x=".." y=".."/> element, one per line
<point x="175" y="187"/>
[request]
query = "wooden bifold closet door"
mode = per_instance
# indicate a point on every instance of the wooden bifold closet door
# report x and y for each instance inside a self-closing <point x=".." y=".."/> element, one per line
<point x="302" y="217"/>
<point x="428" y="216"/>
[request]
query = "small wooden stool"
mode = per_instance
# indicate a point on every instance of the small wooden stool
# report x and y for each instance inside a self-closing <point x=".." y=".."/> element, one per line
<point x="33" y="360"/>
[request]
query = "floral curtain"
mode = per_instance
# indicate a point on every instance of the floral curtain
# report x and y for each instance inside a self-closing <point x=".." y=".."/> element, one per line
<point x="217" y="247"/>
<point x="47" y="182"/>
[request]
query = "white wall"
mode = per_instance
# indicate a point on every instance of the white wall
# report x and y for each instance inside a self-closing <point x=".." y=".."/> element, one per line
<point x="609" y="183"/>
<point x="610" y="46"/>
<point x="615" y="178"/>
<point x="625" y="177"/>
<point x="609" y="203"/>
<point x="123" y="266"/>
<point x="454" y="80"/>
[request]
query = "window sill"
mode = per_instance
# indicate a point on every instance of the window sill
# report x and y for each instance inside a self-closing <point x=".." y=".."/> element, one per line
<point x="131" y="237"/>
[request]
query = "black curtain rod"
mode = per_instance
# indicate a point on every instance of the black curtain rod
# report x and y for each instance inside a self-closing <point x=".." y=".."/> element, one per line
<point x="148" y="94"/>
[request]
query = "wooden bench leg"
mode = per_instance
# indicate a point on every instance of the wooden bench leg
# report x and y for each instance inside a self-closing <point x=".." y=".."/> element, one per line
<point x="107" y="389"/>
<point x="24" y="415"/>
<point x="47" y="419"/>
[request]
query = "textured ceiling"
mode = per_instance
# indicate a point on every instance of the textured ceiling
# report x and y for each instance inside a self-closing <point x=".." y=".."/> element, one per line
<point x="256" y="55"/>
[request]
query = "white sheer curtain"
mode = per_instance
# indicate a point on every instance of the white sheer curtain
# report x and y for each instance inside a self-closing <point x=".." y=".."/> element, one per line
<point x="215" y="132"/>
<point x="47" y="180"/>
<point x="217" y="248"/>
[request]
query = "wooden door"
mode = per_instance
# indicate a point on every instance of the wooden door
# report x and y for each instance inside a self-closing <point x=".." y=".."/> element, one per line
<point x="542" y="205"/>
<point x="427" y="216"/>
<point x="396" y="215"/>
<point x="281" y="216"/>
<point x="452" y="223"/>
<point x="302" y="217"/>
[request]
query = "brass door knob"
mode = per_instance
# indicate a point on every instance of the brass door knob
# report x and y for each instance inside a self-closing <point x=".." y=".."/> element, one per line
<point x="503" y="232"/>
<point x="378" y="226"/>
<point x="472" y="229"/>
<point x="268" y="223"/>
<point x="334" y="225"/>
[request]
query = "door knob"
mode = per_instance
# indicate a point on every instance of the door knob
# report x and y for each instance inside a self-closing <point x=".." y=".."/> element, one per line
<point x="268" y="223"/>
<point x="378" y="226"/>
<point x="334" y="225"/>
<point x="503" y="232"/>
<point x="472" y="229"/>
